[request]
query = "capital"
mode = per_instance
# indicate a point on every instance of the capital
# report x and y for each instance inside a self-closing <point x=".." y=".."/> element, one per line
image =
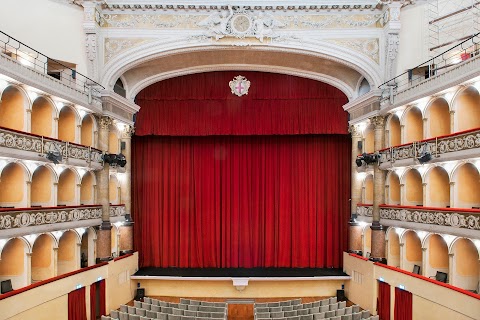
<point x="354" y="130"/>
<point x="128" y="132"/>
<point x="378" y="122"/>
<point x="104" y="122"/>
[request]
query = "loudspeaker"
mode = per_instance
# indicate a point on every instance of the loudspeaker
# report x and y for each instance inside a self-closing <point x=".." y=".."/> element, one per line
<point x="359" y="145"/>
<point x="140" y="294"/>
<point x="341" y="295"/>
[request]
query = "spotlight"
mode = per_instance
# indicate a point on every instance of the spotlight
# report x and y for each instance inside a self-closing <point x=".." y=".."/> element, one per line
<point x="115" y="159"/>
<point x="425" y="157"/>
<point x="368" y="158"/>
<point x="54" y="156"/>
<point x="359" y="162"/>
<point x="121" y="160"/>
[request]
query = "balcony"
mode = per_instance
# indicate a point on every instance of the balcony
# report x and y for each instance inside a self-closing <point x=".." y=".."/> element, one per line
<point x="19" y="221"/>
<point x="17" y="144"/>
<point x="364" y="212"/>
<point x="454" y="146"/>
<point x="117" y="212"/>
<point x="455" y="221"/>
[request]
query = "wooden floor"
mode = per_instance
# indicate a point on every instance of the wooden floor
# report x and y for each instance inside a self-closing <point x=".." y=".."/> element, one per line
<point x="241" y="311"/>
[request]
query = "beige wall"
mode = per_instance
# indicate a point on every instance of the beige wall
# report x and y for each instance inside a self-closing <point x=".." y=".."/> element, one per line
<point x="439" y="188"/>
<point x="429" y="299"/>
<point x="42" y="258"/>
<point x="53" y="309"/>
<point x="437" y="252"/>
<point x="468" y="109"/>
<point x="42" y="117"/>
<point x="67" y="124"/>
<point x="86" y="189"/>
<point x="468" y="184"/>
<point x="12" y="184"/>
<point x="66" y="187"/>
<point x="12" y="259"/>
<point x="369" y="140"/>
<point x="87" y="131"/>
<point x="394" y="131"/>
<point x="414" y="188"/>
<point x="413" y="125"/>
<point x="67" y="253"/>
<point x="12" y="110"/>
<point x="393" y="258"/>
<point x="41" y="188"/>
<point x="119" y="286"/>
<point x="394" y="189"/>
<point x="438" y="118"/>
<point x="369" y="189"/>
<point x="413" y="250"/>
<point x="112" y="143"/>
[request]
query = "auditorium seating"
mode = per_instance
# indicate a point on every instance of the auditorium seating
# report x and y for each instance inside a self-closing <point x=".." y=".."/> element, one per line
<point x="323" y="309"/>
<point x="187" y="309"/>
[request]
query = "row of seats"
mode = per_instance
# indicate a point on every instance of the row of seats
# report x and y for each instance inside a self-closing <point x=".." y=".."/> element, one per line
<point x="304" y="309"/>
<point x="178" y="308"/>
<point x="305" y="312"/>
<point x="203" y="303"/>
<point x="286" y="303"/>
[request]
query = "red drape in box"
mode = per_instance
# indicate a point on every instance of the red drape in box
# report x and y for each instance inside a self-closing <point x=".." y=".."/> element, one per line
<point x="383" y="307"/>
<point x="202" y="105"/>
<point x="77" y="309"/>
<point x="103" y="306"/>
<point x="232" y="201"/>
<point x="93" y="300"/>
<point x="403" y="305"/>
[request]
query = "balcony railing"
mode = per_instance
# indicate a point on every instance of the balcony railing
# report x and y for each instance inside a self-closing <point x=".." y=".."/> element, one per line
<point x="11" y="218"/>
<point x="364" y="210"/>
<point x="443" y="145"/>
<point x="36" y="60"/>
<point x="117" y="210"/>
<point x="39" y="145"/>
<point x="438" y="65"/>
<point x="445" y="217"/>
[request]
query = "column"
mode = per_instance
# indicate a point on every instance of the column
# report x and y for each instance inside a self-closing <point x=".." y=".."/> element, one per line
<point x="402" y="193"/>
<point x="126" y="230"/>
<point x="424" y="200"/>
<point x="425" y="262"/>
<point x="55" y="262"/>
<point x="104" y="244"/>
<point x="378" y="232"/>
<point x="452" y="121"/>
<point x="402" y="256"/>
<point x="29" y="268"/>
<point x="354" y="228"/>
<point x="451" y="267"/>
<point x="452" y="194"/>
<point x="28" y="203"/>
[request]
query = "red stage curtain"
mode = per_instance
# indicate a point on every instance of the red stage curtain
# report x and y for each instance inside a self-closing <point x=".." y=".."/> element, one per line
<point x="93" y="300"/>
<point x="403" y="305"/>
<point x="77" y="309"/>
<point x="103" y="306"/>
<point x="383" y="306"/>
<point x="232" y="201"/>
<point x="202" y="105"/>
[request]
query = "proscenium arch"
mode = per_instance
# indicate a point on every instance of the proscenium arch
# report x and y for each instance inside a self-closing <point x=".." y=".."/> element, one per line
<point x="323" y="52"/>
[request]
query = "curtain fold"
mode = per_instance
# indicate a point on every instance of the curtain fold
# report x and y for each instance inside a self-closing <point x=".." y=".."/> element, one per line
<point x="403" y="305"/>
<point x="383" y="306"/>
<point x="230" y="201"/>
<point x="203" y="105"/>
<point x="103" y="306"/>
<point x="77" y="309"/>
<point x="93" y="300"/>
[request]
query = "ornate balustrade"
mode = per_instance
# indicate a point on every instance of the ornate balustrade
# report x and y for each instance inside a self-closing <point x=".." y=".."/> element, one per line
<point x="32" y="146"/>
<point x="364" y="210"/>
<point x="15" y="218"/>
<point x="117" y="210"/>
<point x="442" y="148"/>
<point x="449" y="220"/>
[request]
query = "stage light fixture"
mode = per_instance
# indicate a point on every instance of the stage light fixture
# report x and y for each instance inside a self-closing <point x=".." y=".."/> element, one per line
<point x="368" y="158"/>
<point x="359" y="162"/>
<point x="115" y="159"/>
<point x="54" y="156"/>
<point x="425" y="157"/>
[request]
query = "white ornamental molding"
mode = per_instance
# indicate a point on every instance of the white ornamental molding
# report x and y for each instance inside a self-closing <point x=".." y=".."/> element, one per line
<point x="115" y="46"/>
<point x="368" y="47"/>
<point x="15" y="140"/>
<point x="239" y="86"/>
<point x="453" y="219"/>
<point x="208" y="6"/>
<point x="365" y="211"/>
<point x="117" y="211"/>
<point x="37" y="217"/>
<point x="240" y="23"/>
<point x="454" y="143"/>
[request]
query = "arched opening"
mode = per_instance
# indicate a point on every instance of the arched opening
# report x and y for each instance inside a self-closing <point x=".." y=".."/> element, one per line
<point x="114" y="190"/>
<point x="42" y="258"/>
<point x="88" y="131"/>
<point x="114" y="241"/>
<point x="12" y="186"/>
<point x="393" y="189"/>
<point x="67" y="256"/>
<point x="465" y="265"/>
<point x="113" y="142"/>
<point x="368" y="189"/>
<point x="438" y="188"/>
<point x="119" y="88"/>
<point x="13" y="263"/>
<point x="393" y="257"/>
<point x="467" y="186"/>
<point x="12" y="110"/>
<point x="438" y="118"/>
<point x="413" y="188"/>
<point x="413" y="251"/>
<point x="364" y="87"/>
<point x="87" y="189"/>
<point x="67" y="124"/>
<point x="437" y="256"/>
<point x="467" y="109"/>
<point x="369" y="135"/>
<point x="42" y="117"/>
<point x="41" y="188"/>
<point x="413" y="125"/>
<point x="87" y="249"/>
<point x="367" y="241"/>
<point x="394" y="131"/>
<point x="67" y="188"/>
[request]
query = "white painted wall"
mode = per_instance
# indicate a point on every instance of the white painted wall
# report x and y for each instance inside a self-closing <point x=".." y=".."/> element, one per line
<point x="413" y="37"/>
<point x="49" y="26"/>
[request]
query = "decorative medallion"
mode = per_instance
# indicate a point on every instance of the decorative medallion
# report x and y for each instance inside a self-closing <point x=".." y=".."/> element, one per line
<point x="239" y="85"/>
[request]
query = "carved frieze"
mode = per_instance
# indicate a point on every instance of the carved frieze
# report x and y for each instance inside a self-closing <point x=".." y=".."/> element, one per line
<point x="365" y="211"/>
<point x="115" y="46"/>
<point x="368" y="47"/>
<point x="37" y="217"/>
<point x="117" y="211"/>
<point x="450" y="219"/>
